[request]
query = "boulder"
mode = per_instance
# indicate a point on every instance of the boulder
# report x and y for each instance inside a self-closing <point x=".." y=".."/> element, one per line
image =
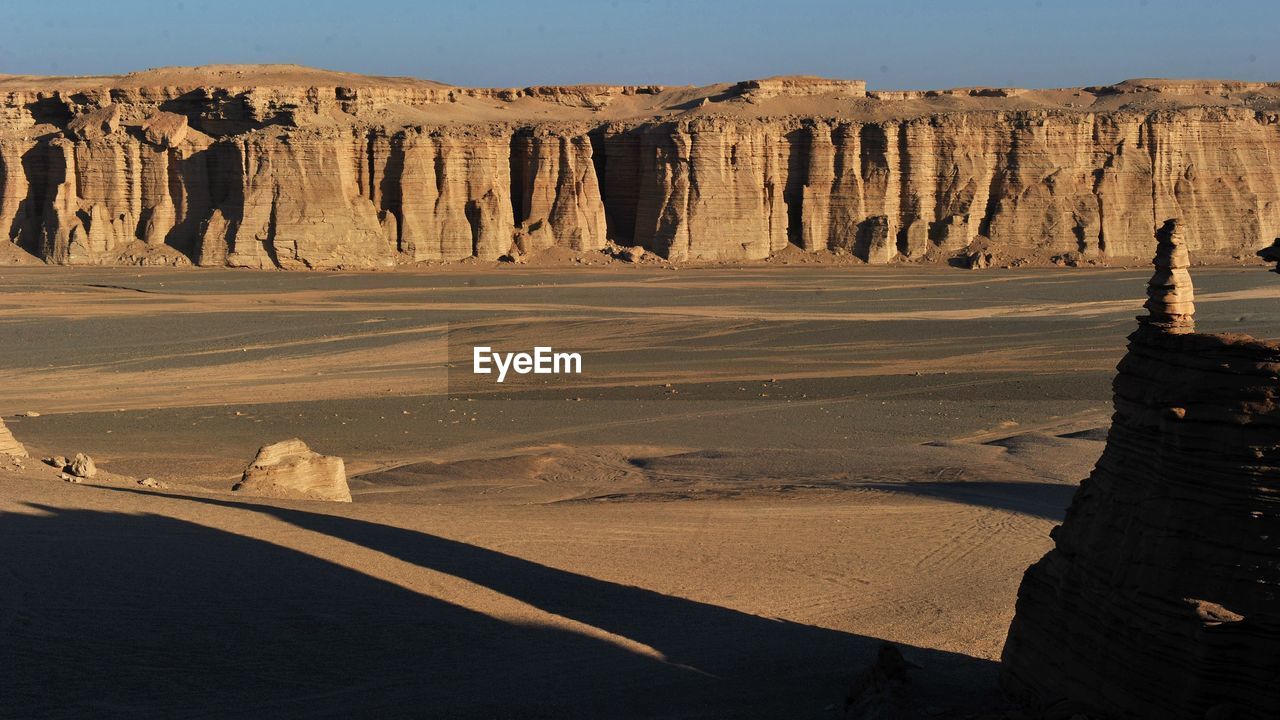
<point x="290" y="469"/>
<point x="96" y="123"/>
<point x="1159" y="597"/>
<point x="165" y="129"/>
<point x="82" y="466"/>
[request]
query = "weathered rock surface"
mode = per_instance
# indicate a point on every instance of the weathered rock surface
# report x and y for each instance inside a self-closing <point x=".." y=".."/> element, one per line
<point x="1170" y="296"/>
<point x="1161" y="597"/>
<point x="285" y="167"/>
<point x="9" y="445"/>
<point x="81" y="466"/>
<point x="290" y="469"/>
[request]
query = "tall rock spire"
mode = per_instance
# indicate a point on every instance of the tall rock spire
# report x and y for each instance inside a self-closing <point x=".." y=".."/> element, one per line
<point x="1170" y="297"/>
<point x="1160" y="596"/>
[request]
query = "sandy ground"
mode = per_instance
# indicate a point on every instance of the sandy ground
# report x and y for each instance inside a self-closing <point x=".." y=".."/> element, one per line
<point x="761" y="473"/>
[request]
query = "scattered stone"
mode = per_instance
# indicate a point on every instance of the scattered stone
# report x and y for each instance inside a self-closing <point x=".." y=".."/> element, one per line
<point x="712" y="201"/>
<point x="153" y="254"/>
<point x="290" y="469"/>
<point x="30" y="414"/>
<point x="9" y="445"/>
<point x="979" y="260"/>
<point x="631" y="254"/>
<point x="82" y="466"/>
<point x="152" y="483"/>
<point x="69" y="478"/>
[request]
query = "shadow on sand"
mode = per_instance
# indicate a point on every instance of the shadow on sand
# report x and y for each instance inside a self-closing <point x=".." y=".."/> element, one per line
<point x="109" y="614"/>
<point x="1048" y="501"/>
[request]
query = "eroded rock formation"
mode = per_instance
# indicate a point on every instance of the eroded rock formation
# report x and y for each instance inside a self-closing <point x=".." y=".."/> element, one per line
<point x="278" y="166"/>
<point x="290" y="469"/>
<point x="9" y="445"/>
<point x="1161" y="597"/>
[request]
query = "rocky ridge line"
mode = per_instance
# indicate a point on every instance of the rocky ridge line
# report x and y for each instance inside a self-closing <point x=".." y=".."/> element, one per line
<point x="284" y="167"/>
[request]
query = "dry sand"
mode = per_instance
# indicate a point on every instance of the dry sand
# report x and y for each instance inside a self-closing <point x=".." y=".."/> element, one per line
<point x="762" y="472"/>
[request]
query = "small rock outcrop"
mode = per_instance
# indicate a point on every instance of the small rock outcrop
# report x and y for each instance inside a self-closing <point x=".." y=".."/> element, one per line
<point x="82" y="466"/>
<point x="95" y="124"/>
<point x="290" y="469"/>
<point x="9" y="445"/>
<point x="1161" y="597"/>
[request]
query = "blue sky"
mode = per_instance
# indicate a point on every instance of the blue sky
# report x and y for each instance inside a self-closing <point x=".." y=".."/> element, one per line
<point x="1036" y="43"/>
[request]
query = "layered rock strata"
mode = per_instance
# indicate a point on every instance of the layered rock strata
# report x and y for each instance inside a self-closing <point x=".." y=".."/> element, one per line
<point x="290" y="469"/>
<point x="9" y="445"/>
<point x="284" y="167"/>
<point x="1161" y="597"/>
<point x="1170" y="295"/>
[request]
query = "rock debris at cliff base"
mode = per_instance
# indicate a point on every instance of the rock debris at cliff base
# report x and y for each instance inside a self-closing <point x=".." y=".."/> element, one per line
<point x="285" y="167"/>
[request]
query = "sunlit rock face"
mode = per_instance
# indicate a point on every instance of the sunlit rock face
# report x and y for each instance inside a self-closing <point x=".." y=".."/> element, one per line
<point x="1161" y="597"/>
<point x="284" y="167"/>
<point x="9" y="445"/>
<point x="290" y="469"/>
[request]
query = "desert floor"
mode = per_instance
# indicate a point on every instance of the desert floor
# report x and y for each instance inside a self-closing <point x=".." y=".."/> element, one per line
<point x="761" y="473"/>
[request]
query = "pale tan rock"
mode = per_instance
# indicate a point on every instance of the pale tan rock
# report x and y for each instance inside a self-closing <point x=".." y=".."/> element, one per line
<point x="145" y="254"/>
<point x="95" y="123"/>
<point x="303" y="169"/>
<point x="560" y="194"/>
<point x="290" y="469"/>
<point x="302" y="207"/>
<point x="9" y="445"/>
<point x="165" y="129"/>
<point x="82" y="466"/>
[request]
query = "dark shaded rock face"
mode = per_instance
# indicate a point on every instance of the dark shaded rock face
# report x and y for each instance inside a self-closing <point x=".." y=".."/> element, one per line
<point x="1161" y="598"/>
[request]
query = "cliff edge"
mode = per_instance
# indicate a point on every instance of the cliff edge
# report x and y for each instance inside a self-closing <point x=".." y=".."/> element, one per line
<point x="294" y="168"/>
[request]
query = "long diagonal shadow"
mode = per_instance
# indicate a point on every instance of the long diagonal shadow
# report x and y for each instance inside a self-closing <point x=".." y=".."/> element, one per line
<point x="289" y="634"/>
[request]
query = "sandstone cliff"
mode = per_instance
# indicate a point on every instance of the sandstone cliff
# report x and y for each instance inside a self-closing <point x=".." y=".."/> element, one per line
<point x="286" y="167"/>
<point x="1162" y="595"/>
